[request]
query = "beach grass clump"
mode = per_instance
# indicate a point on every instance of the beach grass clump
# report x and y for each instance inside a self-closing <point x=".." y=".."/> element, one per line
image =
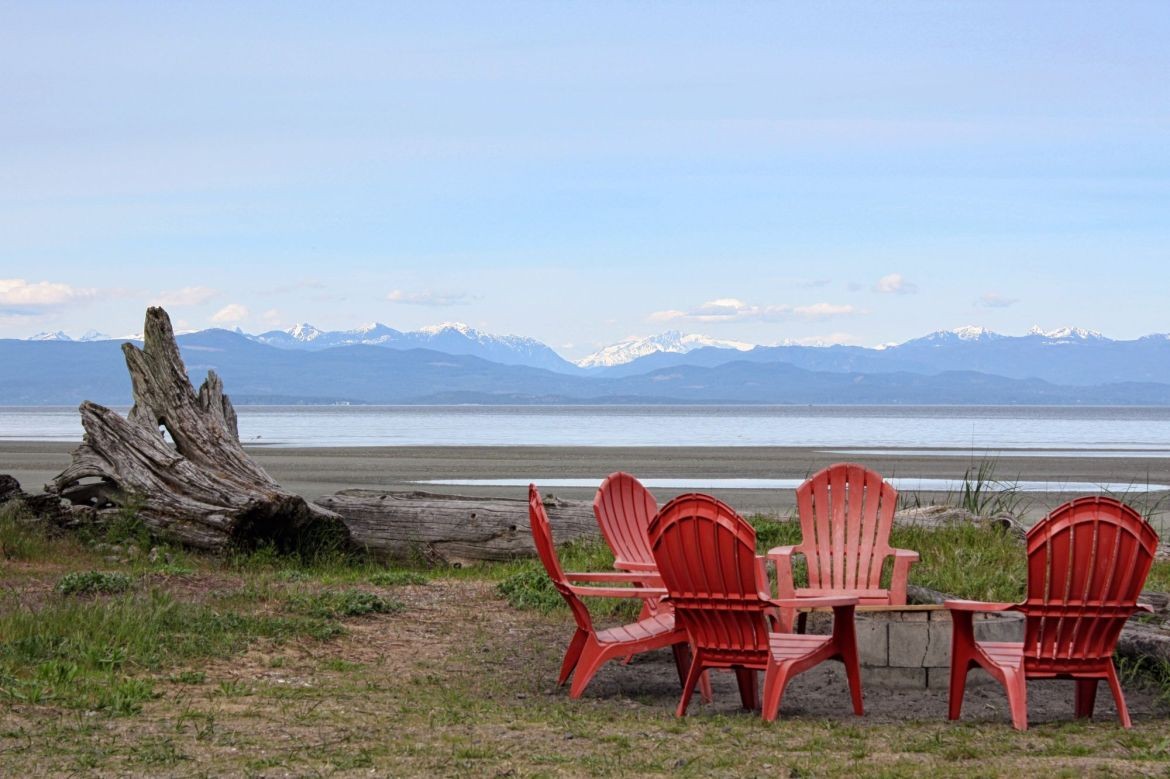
<point x="984" y="495"/>
<point x="973" y="561"/>
<point x="93" y="583"/>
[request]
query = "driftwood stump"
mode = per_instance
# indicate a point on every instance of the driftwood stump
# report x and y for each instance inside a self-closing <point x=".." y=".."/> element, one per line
<point x="202" y="490"/>
<point x="452" y="528"/>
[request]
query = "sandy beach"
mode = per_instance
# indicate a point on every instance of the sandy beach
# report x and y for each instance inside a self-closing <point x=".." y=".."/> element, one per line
<point x="313" y="472"/>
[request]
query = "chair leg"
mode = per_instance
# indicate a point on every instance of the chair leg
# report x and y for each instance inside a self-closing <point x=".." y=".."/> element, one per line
<point x="593" y="656"/>
<point x="853" y="674"/>
<point x="572" y="655"/>
<point x="962" y="653"/>
<point x="689" y="686"/>
<point x="746" y="679"/>
<point x="1016" y="686"/>
<point x="1118" y="697"/>
<point x="775" y="680"/>
<point x="1086" y="697"/>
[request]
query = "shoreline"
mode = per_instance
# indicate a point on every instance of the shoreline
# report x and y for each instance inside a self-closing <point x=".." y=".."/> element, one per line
<point x="316" y="471"/>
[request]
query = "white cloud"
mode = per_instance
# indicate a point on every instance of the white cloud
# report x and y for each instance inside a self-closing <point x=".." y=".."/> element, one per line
<point x="18" y="297"/>
<point x="996" y="300"/>
<point x="187" y="296"/>
<point x="430" y="298"/>
<point x="230" y="314"/>
<point x="894" y="284"/>
<point x="824" y="310"/>
<point x="734" y="310"/>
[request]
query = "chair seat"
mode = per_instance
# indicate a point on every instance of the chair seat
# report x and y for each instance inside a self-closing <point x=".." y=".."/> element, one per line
<point x="1005" y="654"/>
<point x="642" y="630"/>
<point x="790" y="646"/>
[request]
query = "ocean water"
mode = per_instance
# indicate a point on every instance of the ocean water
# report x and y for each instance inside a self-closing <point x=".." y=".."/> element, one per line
<point x="1089" y="431"/>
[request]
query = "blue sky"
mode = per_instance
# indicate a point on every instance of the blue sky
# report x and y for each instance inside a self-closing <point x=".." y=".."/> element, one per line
<point x="582" y="172"/>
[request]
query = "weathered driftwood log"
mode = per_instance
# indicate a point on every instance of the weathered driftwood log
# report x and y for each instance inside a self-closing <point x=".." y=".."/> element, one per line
<point x="203" y="490"/>
<point x="452" y="528"/>
<point x="948" y="516"/>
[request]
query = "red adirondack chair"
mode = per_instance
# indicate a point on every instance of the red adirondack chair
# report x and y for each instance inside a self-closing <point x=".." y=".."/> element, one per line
<point x="624" y="508"/>
<point x="846" y="513"/>
<point x="1087" y="563"/>
<point x="706" y="555"/>
<point x="590" y="648"/>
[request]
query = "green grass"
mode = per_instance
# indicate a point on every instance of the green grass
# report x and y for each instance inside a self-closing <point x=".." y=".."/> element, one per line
<point x="330" y="604"/>
<point x="396" y="578"/>
<point x="22" y="537"/>
<point x="93" y="582"/>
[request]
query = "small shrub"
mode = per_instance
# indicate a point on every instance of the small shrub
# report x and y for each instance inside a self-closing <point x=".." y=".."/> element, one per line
<point x="92" y="582"/>
<point x="396" y="578"/>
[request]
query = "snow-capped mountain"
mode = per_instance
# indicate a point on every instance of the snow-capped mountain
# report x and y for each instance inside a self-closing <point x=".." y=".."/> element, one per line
<point x="966" y="333"/>
<point x="57" y="336"/>
<point x="672" y="341"/>
<point x="449" y="337"/>
<point x="1067" y="334"/>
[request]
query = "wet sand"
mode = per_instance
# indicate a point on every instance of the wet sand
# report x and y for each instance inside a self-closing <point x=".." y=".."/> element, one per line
<point x="313" y="472"/>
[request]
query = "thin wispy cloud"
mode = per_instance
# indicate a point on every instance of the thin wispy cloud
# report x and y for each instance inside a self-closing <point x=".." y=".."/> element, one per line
<point x="187" y="296"/>
<point x="894" y="284"/>
<point x="734" y="310"/>
<point x="19" y="297"/>
<point x="995" y="300"/>
<point x="231" y="314"/>
<point x="430" y="298"/>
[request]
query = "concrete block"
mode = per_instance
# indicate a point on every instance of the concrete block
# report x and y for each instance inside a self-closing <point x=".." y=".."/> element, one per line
<point x="873" y="645"/>
<point x="938" y="645"/>
<point x="1006" y="628"/>
<point x="908" y="644"/>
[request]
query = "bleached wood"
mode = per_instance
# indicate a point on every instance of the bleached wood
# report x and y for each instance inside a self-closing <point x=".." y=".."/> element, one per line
<point x="203" y="490"/>
<point x="452" y="528"/>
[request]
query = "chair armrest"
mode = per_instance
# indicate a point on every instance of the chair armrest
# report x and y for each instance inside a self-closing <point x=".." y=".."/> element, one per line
<point x="1147" y="608"/>
<point x="615" y="576"/>
<point x="619" y="592"/>
<point x="978" y="606"/>
<point x="782" y="557"/>
<point x="903" y="559"/>
<point x="818" y="602"/>
<point x="630" y="565"/>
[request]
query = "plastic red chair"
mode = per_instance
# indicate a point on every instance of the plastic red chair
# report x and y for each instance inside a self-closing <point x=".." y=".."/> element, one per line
<point x="589" y="648"/>
<point x="846" y="513"/>
<point x="706" y="555"/>
<point x="1087" y="563"/>
<point x="624" y="508"/>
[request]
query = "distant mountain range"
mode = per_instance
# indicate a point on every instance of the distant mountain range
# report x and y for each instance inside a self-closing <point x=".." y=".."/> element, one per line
<point x="461" y="365"/>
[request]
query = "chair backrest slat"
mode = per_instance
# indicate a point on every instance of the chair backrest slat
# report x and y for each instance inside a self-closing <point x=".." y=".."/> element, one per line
<point x="846" y="514"/>
<point x="1087" y="563"/>
<point x="706" y="556"/>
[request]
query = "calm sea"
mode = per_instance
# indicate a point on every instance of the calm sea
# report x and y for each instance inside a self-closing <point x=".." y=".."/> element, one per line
<point x="1095" y="430"/>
